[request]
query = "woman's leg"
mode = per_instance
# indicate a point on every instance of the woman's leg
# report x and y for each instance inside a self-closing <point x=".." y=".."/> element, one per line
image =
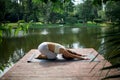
<point x="41" y="56"/>
<point x="50" y="55"/>
<point x="44" y="50"/>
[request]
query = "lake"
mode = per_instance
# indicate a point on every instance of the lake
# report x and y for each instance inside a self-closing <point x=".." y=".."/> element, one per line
<point x="14" y="48"/>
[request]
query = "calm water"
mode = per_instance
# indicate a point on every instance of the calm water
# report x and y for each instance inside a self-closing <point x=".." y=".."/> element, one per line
<point x="12" y="49"/>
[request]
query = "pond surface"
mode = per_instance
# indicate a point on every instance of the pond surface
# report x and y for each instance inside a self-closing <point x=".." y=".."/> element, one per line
<point x="12" y="49"/>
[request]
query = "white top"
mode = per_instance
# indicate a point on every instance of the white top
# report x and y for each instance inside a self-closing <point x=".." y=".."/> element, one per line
<point x="57" y="48"/>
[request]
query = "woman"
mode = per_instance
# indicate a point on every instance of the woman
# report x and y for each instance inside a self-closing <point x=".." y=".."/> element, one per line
<point x="49" y="50"/>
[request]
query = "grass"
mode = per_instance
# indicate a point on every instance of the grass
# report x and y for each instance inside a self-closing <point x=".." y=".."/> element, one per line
<point x="12" y="24"/>
<point x="40" y="25"/>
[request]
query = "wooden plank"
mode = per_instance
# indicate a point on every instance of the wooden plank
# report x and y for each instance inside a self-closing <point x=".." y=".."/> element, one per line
<point x="58" y="69"/>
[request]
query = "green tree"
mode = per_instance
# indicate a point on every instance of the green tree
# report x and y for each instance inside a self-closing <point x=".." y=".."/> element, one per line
<point x="113" y="11"/>
<point x="86" y="11"/>
<point x="2" y="10"/>
<point x="4" y="5"/>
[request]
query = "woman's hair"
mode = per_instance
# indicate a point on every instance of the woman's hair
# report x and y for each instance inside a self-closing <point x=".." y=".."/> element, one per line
<point x="69" y="58"/>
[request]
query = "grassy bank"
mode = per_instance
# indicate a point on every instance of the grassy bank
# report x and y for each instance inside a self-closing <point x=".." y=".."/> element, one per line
<point x="40" y="25"/>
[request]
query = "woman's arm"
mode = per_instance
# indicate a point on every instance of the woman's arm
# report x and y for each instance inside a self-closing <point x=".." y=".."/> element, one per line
<point x="74" y="52"/>
<point x="68" y="54"/>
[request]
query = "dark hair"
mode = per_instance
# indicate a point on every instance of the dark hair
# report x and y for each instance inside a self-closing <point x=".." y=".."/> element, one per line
<point x="69" y="58"/>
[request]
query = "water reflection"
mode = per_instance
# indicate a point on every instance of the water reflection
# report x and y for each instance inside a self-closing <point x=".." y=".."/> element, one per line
<point x="61" y="31"/>
<point x="77" y="45"/>
<point x="75" y="30"/>
<point x="12" y="49"/>
<point x="44" y="32"/>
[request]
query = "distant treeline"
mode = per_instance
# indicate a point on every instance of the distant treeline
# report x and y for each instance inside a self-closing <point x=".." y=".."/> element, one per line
<point x="59" y="11"/>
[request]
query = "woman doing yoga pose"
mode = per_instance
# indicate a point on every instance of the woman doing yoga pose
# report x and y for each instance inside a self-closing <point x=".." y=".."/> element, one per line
<point x="50" y="50"/>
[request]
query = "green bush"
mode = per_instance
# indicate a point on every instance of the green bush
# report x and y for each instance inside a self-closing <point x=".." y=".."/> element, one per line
<point x="98" y="20"/>
<point x="80" y="21"/>
<point x="71" y="20"/>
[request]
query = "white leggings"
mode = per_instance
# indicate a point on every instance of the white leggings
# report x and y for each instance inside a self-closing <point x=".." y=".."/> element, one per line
<point x="43" y="48"/>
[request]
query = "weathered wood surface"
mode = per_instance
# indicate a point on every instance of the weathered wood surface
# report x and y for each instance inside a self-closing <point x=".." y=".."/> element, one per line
<point x="59" y="69"/>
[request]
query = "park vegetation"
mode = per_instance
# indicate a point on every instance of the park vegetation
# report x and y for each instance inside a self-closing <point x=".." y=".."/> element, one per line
<point x="41" y="12"/>
<point x="49" y="11"/>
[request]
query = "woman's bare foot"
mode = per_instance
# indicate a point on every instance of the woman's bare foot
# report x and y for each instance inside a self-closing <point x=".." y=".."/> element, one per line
<point x="41" y="56"/>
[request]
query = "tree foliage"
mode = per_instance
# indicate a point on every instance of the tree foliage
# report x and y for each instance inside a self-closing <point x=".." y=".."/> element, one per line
<point x="36" y="10"/>
<point x="113" y="11"/>
<point x="87" y="11"/>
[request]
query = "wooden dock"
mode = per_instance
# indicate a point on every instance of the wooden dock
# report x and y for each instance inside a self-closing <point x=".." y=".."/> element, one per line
<point x="59" y="69"/>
